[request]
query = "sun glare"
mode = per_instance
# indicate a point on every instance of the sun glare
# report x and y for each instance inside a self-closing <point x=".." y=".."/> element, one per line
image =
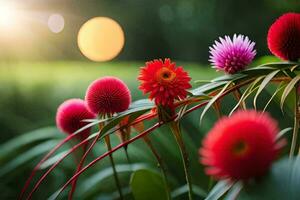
<point x="101" y="39"/>
<point x="7" y="15"/>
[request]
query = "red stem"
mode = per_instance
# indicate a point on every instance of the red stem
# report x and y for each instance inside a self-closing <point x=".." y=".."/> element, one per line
<point x="62" y="158"/>
<point x="79" y="166"/>
<point x="101" y="157"/>
<point x="55" y="164"/>
<point x="37" y="167"/>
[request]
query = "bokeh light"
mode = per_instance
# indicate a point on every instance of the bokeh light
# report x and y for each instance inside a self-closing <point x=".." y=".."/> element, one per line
<point x="56" y="23"/>
<point x="101" y="39"/>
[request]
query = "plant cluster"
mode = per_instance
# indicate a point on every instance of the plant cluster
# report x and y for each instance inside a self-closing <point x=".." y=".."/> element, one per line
<point x="240" y="149"/>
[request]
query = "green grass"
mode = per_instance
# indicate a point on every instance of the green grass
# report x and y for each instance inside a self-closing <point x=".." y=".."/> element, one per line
<point x="70" y="73"/>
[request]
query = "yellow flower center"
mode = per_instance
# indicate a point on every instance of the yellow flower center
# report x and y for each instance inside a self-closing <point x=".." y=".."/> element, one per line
<point x="165" y="75"/>
<point x="240" y="148"/>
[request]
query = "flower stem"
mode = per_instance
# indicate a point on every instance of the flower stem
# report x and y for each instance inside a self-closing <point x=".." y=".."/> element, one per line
<point x="296" y="127"/>
<point x="238" y="95"/>
<point x="160" y="164"/>
<point x="217" y="108"/>
<point x="174" y="125"/>
<point x="79" y="164"/>
<point x="107" y="141"/>
<point x="92" y="163"/>
<point x="127" y="155"/>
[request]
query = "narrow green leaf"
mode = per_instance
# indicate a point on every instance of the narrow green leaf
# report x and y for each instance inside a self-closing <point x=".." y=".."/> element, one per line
<point x="207" y="88"/>
<point x="288" y="89"/>
<point x="91" y="124"/>
<point x="201" y="81"/>
<point x="141" y="103"/>
<point x="263" y="84"/>
<point x="53" y="160"/>
<point x="294" y="67"/>
<point x="234" y="191"/>
<point x="96" y="179"/>
<point x="283" y="132"/>
<point x="219" y="190"/>
<point x="133" y="113"/>
<point x="295" y="144"/>
<point x="250" y="89"/>
<point x="258" y="71"/>
<point x="181" y="112"/>
<point x="282" y="182"/>
<point x="240" y="100"/>
<point x="184" y="189"/>
<point x="212" y="101"/>
<point x="28" y="138"/>
<point x="148" y="185"/>
<point x="229" y="77"/>
<point x="279" y="88"/>
<point x="27" y="156"/>
<point x="278" y="65"/>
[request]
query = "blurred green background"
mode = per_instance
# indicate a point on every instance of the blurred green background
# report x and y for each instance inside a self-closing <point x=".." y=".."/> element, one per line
<point x="40" y="69"/>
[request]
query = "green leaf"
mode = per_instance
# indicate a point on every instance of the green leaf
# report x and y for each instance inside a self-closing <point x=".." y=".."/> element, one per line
<point x="283" y="132"/>
<point x="53" y="159"/>
<point x="219" y="190"/>
<point x="288" y="89"/>
<point x="184" y="189"/>
<point x="267" y="68"/>
<point x="250" y="89"/>
<point x="148" y="185"/>
<point x="263" y="84"/>
<point x="234" y="191"/>
<point x="282" y="183"/>
<point x="199" y="91"/>
<point x="213" y="100"/>
<point x="279" y="88"/>
<point x="133" y="113"/>
<point x="201" y="81"/>
<point x="141" y="103"/>
<point x="96" y="179"/>
<point x="229" y="77"/>
<point x="278" y="65"/>
<point x="21" y="159"/>
<point x="257" y="71"/>
<point x="294" y="67"/>
<point x="28" y="138"/>
<point x="137" y="109"/>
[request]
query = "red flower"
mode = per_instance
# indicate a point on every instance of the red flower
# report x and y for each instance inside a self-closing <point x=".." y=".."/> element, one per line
<point x="242" y="146"/>
<point x="164" y="81"/>
<point x="70" y="114"/>
<point x="284" y="37"/>
<point x="108" y="95"/>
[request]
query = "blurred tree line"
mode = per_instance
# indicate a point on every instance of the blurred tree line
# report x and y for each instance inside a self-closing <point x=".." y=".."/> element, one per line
<point x="181" y="29"/>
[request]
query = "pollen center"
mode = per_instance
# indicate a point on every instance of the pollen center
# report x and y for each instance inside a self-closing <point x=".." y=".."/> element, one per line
<point x="165" y="75"/>
<point x="240" y="148"/>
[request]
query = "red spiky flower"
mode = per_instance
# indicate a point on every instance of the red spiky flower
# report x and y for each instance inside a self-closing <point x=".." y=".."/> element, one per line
<point x="108" y="95"/>
<point x="284" y="37"/>
<point x="241" y="147"/>
<point x="164" y="81"/>
<point x="70" y="115"/>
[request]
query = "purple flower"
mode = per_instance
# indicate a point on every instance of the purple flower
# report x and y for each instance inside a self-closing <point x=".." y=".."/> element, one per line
<point x="232" y="55"/>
